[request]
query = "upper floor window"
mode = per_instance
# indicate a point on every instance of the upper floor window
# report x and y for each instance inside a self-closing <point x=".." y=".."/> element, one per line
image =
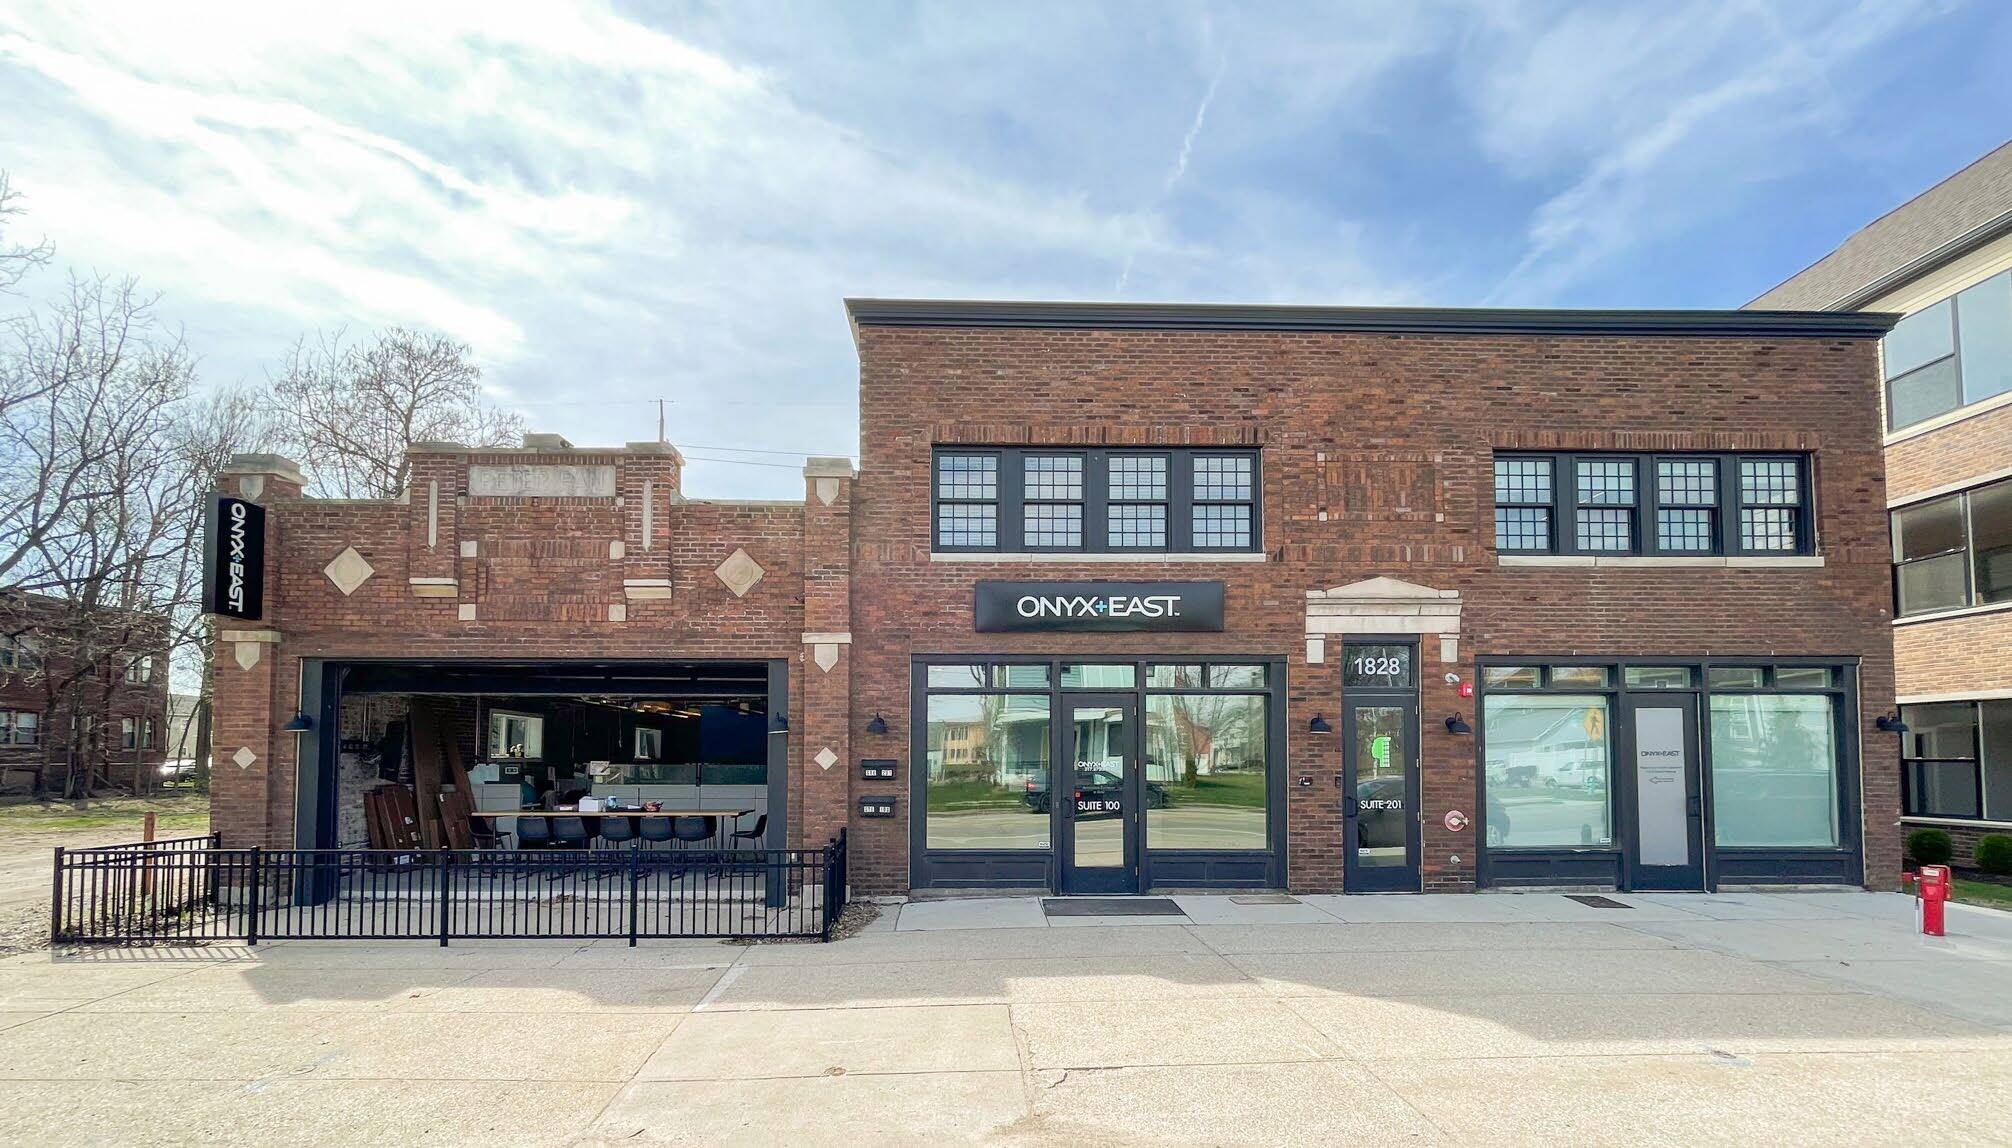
<point x="1095" y="501"/>
<point x="1951" y="354"/>
<point x="129" y="733"/>
<point x="140" y="670"/>
<point x="20" y="727"/>
<point x="1954" y="551"/>
<point x="18" y="654"/>
<point x="1645" y="504"/>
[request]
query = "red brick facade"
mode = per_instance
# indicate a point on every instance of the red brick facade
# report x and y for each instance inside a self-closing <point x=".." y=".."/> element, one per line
<point x="1376" y="462"/>
<point x="1376" y="456"/>
<point x="28" y="631"/>
<point x="516" y="578"/>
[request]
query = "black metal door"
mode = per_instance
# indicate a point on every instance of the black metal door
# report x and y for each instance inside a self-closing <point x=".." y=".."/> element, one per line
<point x="1099" y="789"/>
<point x="1666" y="842"/>
<point x="1379" y="755"/>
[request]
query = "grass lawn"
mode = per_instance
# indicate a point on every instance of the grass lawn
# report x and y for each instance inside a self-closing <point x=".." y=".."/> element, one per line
<point x="1983" y="893"/>
<point x="176" y="814"/>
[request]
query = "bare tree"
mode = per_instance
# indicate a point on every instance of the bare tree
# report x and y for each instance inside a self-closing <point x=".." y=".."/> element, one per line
<point x="348" y="412"/>
<point x="15" y="259"/>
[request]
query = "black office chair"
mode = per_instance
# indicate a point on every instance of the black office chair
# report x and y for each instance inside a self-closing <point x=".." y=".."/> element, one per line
<point x="531" y="833"/>
<point x="568" y="833"/>
<point x="691" y="831"/>
<point x="654" y="830"/>
<point x="755" y="834"/>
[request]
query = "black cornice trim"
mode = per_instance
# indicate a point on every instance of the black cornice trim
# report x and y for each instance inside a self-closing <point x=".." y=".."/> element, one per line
<point x="1384" y="320"/>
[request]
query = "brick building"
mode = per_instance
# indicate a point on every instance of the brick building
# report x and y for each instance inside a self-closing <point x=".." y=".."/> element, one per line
<point x="1944" y="261"/>
<point x="1130" y="597"/>
<point x="63" y="699"/>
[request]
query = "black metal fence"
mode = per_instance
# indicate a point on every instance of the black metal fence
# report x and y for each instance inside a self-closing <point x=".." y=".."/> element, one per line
<point x="191" y="890"/>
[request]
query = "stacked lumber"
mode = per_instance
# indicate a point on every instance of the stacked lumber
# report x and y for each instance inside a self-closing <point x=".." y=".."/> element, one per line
<point x="444" y="817"/>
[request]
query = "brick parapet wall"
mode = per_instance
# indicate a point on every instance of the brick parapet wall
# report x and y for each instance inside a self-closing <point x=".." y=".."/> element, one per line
<point x="544" y="579"/>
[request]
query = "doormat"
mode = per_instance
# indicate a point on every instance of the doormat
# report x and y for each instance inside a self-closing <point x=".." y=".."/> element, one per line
<point x="1595" y="901"/>
<point x="1110" y="907"/>
<point x="1264" y="899"/>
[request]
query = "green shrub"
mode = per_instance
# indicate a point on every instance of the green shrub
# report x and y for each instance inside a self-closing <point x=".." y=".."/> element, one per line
<point x="1994" y="853"/>
<point x="1930" y="847"/>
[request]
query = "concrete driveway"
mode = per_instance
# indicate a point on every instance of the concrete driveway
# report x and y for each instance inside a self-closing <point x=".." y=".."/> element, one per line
<point x="1787" y="1018"/>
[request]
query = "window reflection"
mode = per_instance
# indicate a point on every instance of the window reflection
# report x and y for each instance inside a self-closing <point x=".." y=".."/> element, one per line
<point x="1547" y="771"/>
<point x="1205" y="772"/>
<point x="1774" y="770"/>
<point x="988" y="770"/>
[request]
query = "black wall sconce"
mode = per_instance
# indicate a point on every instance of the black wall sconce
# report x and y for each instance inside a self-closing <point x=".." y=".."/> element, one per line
<point x="1457" y="724"/>
<point x="876" y="807"/>
<point x="877" y="768"/>
<point x="1319" y="725"/>
<point x="878" y="724"/>
<point x="781" y="724"/>
<point x="301" y="723"/>
<point x="1890" y="723"/>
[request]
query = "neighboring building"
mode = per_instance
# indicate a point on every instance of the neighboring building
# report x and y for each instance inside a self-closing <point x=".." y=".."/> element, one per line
<point x="112" y="717"/>
<point x="1134" y="597"/>
<point x="1944" y="260"/>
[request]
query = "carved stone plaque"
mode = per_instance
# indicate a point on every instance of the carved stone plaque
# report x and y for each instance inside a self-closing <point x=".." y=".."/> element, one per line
<point x="541" y="481"/>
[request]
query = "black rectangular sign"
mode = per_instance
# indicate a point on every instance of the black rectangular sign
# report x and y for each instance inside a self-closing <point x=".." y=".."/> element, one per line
<point x="234" y="558"/>
<point x="1098" y="607"/>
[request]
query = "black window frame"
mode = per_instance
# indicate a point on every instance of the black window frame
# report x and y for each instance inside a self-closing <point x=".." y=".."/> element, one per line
<point x="1011" y="535"/>
<point x="1645" y="538"/>
<point x="1910" y="763"/>
<point x="937" y="499"/>
<point x="1548" y="506"/>
<point x="1965" y="500"/>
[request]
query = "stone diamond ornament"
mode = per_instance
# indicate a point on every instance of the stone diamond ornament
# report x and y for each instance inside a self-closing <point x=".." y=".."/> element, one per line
<point x="348" y="571"/>
<point x="244" y="757"/>
<point x="739" y="572"/>
<point x="825" y="759"/>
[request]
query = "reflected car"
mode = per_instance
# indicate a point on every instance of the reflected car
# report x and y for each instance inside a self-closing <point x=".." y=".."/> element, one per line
<point x="1098" y="792"/>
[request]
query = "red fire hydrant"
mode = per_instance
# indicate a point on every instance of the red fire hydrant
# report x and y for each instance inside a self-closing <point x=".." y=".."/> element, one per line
<point x="1932" y="889"/>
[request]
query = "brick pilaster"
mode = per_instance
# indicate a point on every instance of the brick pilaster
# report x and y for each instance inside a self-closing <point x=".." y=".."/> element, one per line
<point x="825" y="734"/>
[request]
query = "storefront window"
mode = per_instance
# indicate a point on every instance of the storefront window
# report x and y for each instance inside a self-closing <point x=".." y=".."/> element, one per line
<point x="1173" y="677"/>
<point x="1512" y="677"/>
<point x="1734" y="677"/>
<point x="1205" y="771"/>
<point x="1111" y="677"/>
<point x="1579" y="677"/>
<point x="1548" y="771"/>
<point x="1774" y="770"/>
<point x="988" y="771"/>
<point x="1658" y="677"/>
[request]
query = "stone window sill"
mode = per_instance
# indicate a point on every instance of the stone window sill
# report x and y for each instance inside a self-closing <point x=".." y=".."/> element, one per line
<point x="1665" y="562"/>
<point x="1961" y="612"/>
<point x="1145" y="557"/>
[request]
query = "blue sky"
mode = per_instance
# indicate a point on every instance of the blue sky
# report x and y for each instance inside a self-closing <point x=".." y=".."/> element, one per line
<point x="613" y="204"/>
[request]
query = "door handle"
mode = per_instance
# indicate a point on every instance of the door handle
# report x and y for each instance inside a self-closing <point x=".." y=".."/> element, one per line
<point x="1695" y="806"/>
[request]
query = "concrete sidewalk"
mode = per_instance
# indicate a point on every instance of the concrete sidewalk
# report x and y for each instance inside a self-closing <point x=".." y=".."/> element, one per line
<point x="1785" y="1018"/>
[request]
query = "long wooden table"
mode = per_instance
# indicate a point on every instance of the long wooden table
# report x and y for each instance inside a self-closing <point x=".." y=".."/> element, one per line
<point x="612" y="813"/>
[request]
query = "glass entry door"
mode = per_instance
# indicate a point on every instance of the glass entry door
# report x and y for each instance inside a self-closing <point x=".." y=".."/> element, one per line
<point x="1100" y="813"/>
<point x="1379" y="754"/>
<point x="1668" y="848"/>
